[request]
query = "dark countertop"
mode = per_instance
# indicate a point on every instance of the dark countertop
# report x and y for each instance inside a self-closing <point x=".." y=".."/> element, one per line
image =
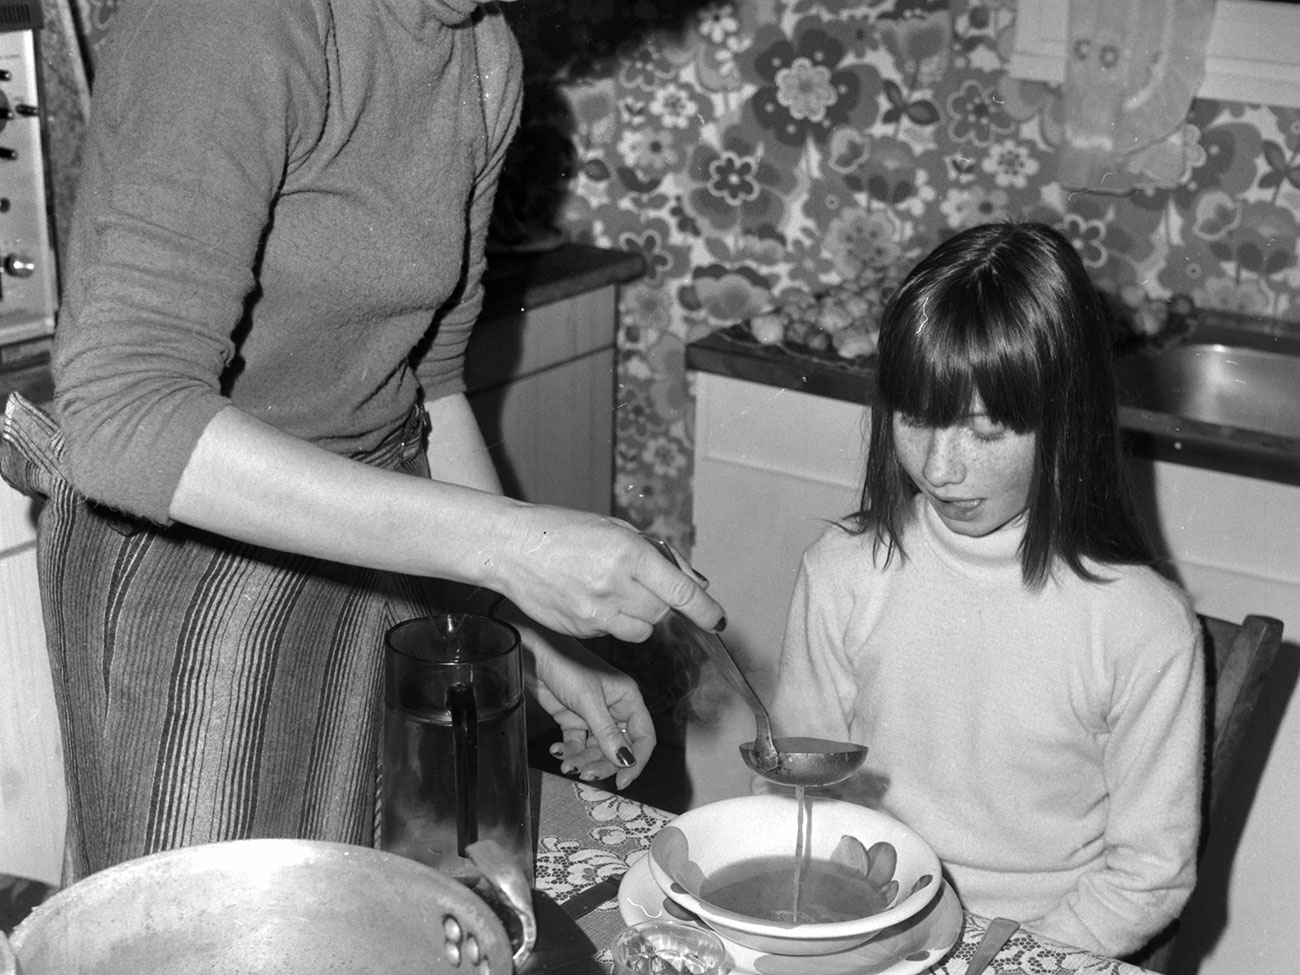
<point x="733" y="352"/>
<point x="520" y="282"/>
<point x="513" y="283"/>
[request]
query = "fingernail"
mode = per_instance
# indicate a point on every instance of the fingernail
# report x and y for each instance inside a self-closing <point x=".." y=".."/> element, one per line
<point x="722" y="625"/>
<point x="557" y="751"/>
<point x="625" y="757"/>
<point x="568" y="769"/>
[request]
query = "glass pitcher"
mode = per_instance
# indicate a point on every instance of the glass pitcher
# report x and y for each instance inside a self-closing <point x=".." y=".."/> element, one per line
<point x="455" y="766"/>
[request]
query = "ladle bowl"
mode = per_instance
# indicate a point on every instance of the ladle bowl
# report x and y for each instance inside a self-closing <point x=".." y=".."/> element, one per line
<point x="804" y="761"/>
<point x="796" y="761"/>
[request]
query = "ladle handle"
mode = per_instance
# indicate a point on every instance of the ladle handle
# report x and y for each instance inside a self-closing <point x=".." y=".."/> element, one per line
<point x="764" y="750"/>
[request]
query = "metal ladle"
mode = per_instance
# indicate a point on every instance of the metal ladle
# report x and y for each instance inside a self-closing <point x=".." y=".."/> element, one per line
<point x="799" y="761"/>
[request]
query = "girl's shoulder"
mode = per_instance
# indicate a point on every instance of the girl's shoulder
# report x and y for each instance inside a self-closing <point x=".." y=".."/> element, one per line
<point x="1139" y="601"/>
<point x="841" y="546"/>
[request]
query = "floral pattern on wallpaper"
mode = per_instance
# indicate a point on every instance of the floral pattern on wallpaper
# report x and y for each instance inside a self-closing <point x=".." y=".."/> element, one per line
<point x="794" y="157"/>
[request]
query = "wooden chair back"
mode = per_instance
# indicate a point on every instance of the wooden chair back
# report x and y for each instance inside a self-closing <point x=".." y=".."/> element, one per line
<point x="1238" y="658"/>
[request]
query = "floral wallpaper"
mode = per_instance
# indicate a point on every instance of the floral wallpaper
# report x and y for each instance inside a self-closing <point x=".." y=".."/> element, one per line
<point x="783" y="161"/>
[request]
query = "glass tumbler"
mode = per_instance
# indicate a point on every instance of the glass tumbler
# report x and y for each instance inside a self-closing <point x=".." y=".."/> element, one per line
<point x="667" y="948"/>
<point x="455" y="763"/>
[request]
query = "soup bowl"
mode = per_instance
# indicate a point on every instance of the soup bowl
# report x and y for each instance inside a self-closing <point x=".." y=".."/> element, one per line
<point x="731" y="862"/>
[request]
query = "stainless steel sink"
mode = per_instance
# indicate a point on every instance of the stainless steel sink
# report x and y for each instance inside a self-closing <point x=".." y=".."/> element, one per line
<point x="1231" y="385"/>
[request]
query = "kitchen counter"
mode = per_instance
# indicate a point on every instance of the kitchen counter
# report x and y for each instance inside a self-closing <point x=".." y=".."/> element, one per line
<point x="513" y="283"/>
<point x="733" y="352"/>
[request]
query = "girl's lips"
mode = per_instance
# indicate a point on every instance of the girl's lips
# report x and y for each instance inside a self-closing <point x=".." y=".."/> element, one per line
<point x="958" y="508"/>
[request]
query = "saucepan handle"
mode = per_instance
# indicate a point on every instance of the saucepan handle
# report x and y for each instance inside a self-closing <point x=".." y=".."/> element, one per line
<point x="502" y="884"/>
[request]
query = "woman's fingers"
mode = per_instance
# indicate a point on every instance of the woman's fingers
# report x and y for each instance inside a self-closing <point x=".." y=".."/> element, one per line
<point x="588" y="758"/>
<point x="675" y="588"/>
<point x="586" y="575"/>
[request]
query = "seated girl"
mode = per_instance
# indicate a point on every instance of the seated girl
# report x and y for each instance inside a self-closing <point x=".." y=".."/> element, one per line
<point x="989" y="622"/>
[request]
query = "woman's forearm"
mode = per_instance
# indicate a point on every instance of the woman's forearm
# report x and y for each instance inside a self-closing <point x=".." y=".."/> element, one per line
<point x="248" y="481"/>
<point x="575" y="572"/>
<point x="457" y="453"/>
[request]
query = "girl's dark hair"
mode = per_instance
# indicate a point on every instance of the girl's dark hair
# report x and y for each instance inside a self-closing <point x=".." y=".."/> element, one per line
<point x="1007" y="311"/>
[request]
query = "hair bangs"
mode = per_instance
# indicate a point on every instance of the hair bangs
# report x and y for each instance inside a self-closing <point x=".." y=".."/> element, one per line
<point x="947" y="355"/>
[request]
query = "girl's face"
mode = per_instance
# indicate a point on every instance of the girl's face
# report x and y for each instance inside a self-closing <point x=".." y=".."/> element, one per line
<point x="975" y="474"/>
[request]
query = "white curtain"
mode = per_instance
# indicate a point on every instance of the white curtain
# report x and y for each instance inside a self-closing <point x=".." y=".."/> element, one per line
<point x="1132" y="69"/>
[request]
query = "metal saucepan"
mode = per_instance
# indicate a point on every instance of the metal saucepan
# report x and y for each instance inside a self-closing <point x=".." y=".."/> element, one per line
<point x="263" y="906"/>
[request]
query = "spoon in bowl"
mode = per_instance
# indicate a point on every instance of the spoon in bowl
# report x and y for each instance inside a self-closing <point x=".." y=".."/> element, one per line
<point x="799" y="761"/>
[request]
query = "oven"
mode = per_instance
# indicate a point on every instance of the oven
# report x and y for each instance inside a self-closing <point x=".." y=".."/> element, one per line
<point x="29" y="286"/>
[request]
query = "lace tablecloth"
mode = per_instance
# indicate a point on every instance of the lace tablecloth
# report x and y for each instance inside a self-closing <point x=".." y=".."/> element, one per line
<point x="585" y="834"/>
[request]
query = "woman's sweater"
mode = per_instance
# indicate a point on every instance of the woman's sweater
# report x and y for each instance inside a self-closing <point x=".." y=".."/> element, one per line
<point x="283" y="206"/>
<point x="1047" y="744"/>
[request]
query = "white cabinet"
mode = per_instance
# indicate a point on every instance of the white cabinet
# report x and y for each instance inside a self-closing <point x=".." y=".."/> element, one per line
<point x="771" y="468"/>
<point x="1235" y="543"/>
<point x="541" y="384"/>
<point x="32" y="796"/>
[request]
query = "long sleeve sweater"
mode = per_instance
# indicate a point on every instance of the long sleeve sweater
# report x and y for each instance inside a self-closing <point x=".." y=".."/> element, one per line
<point x="1047" y="744"/>
<point x="283" y="207"/>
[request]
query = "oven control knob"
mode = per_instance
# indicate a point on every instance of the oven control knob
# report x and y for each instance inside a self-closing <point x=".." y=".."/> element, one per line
<point x="19" y="266"/>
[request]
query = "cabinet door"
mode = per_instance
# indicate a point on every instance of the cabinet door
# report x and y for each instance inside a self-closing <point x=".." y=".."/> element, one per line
<point x="551" y="433"/>
<point x="32" y="796"/>
<point x="541" y="384"/>
<point x="772" y="467"/>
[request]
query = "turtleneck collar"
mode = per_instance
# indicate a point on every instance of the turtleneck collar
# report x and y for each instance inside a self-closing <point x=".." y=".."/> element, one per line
<point x="419" y="16"/>
<point x="994" y="557"/>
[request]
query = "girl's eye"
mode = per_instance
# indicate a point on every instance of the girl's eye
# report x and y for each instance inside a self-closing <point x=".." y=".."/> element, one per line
<point x="988" y="432"/>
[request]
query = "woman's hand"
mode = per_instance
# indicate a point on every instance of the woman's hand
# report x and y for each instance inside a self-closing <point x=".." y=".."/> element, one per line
<point x="604" y="725"/>
<point x="585" y="574"/>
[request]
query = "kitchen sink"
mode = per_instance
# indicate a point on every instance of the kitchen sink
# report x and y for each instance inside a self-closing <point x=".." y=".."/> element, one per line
<point x="1233" y="385"/>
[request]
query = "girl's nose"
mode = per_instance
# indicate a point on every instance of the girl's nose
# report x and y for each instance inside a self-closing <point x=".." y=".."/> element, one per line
<point x="944" y="463"/>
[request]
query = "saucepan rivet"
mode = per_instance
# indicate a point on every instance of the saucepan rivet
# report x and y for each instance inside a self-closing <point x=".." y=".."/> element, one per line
<point x="451" y="928"/>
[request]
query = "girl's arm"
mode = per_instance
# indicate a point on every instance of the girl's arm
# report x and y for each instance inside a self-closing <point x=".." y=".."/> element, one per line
<point x="1153" y="768"/>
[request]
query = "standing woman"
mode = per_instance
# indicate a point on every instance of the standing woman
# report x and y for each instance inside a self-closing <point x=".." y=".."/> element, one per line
<point x="274" y="267"/>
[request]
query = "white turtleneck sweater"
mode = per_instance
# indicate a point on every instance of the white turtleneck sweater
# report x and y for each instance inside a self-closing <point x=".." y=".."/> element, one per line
<point x="1047" y="744"/>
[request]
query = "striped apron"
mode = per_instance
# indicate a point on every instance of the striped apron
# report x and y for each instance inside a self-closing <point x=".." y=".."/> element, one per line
<point x="207" y="689"/>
